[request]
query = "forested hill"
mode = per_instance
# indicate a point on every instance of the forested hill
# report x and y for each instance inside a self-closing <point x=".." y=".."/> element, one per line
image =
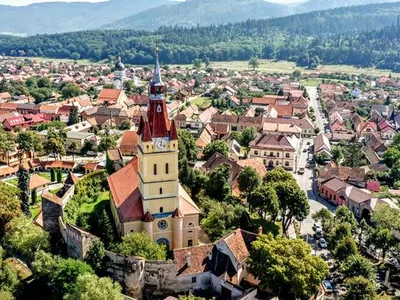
<point x="307" y="44"/>
<point x="203" y="13"/>
<point x="215" y="12"/>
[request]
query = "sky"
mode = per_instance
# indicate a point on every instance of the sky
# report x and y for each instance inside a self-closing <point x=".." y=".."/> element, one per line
<point x="26" y="2"/>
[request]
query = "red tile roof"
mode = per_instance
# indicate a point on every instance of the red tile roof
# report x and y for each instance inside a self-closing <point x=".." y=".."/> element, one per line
<point x="37" y="181"/>
<point x="129" y="142"/>
<point x="239" y="243"/>
<point x="199" y="261"/>
<point x="109" y="95"/>
<point x="126" y="197"/>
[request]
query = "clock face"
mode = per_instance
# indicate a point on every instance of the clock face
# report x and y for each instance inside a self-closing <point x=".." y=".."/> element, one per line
<point x="161" y="144"/>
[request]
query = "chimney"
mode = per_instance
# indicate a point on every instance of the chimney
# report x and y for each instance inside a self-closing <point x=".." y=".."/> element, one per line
<point x="189" y="259"/>
<point x="260" y="230"/>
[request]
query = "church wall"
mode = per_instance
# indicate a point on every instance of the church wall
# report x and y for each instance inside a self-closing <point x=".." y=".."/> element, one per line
<point x="190" y="232"/>
<point x="132" y="226"/>
<point x="153" y="206"/>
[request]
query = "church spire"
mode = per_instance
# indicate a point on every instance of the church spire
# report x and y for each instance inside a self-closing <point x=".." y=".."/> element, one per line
<point x="157" y="87"/>
<point x="157" y="72"/>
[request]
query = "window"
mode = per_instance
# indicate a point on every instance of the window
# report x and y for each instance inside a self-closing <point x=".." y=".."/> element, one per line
<point x="160" y="190"/>
<point x="287" y="155"/>
<point x="255" y="152"/>
<point x="155" y="169"/>
<point x="162" y="225"/>
<point x="287" y="164"/>
<point x="271" y="154"/>
<point x="161" y="209"/>
<point x="277" y="154"/>
<point x="190" y="244"/>
<point x="166" y="168"/>
<point x="194" y="279"/>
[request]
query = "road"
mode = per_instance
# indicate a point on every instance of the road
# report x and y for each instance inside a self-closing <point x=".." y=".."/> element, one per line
<point x="313" y="94"/>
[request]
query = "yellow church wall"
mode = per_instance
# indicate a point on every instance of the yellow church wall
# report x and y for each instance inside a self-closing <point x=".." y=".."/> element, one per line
<point x="153" y="206"/>
<point x="190" y="230"/>
<point x="147" y="162"/>
<point x="134" y="226"/>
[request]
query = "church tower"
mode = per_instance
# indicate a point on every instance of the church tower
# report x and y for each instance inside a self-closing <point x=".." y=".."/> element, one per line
<point x="120" y="75"/>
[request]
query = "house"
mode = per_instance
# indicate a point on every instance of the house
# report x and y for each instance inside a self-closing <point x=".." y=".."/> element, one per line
<point x="37" y="182"/>
<point x="358" y="201"/>
<point x="23" y="122"/>
<point x="220" y="267"/>
<point x="78" y="139"/>
<point x="329" y="189"/>
<point x="129" y="143"/>
<point x="105" y="117"/>
<point x="84" y="126"/>
<point x="116" y="159"/>
<point x="307" y="129"/>
<point x="276" y="150"/>
<point x="141" y="100"/>
<point x="28" y="108"/>
<point x="322" y="145"/>
<point x="5" y="97"/>
<point x="385" y="111"/>
<point x="206" y="137"/>
<point x="354" y="176"/>
<point x="109" y="97"/>
<point x="279" y="129"/>
<point x="367" y="128"/>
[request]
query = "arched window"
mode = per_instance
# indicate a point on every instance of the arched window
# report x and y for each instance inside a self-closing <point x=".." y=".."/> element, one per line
<point x="160" y="191"/>
<point x="155" y="169"/>
<point x="166" y="168"/>
<point x="161" y="209"/>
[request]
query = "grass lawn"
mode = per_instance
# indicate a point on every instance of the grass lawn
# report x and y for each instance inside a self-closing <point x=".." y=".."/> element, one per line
<point x="311" y="82"/>
<point x="54" y="191"/>
<point x="202" y="102"/>
<point x="268" y="227"/>
<point x="100" y="204"/>
<point x="63" y="60"/>
<point x="35" y="209"/>
<point x="13" y="181"/>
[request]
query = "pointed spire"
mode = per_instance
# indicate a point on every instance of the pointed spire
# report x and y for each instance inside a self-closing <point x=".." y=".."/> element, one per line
<point x="157" y="71"/>
<point x="146" y="133"/>
<point x="141" y="125"/>
<point x="148" y="217"/>
<point x="173" y="134"/>
<point x="177" y="214"/>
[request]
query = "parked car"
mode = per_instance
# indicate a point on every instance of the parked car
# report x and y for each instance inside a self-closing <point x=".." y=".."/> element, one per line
<point x="301" y="170"/>
<point x="318" y="233"/>
<point x="327" y="285"/>
<point x="317" y="226"/>
<point x="322" y="243"/>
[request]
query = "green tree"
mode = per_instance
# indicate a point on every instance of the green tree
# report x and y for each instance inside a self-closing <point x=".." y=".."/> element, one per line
<point x="106" y="230"/>
<point x="337" y="154"/>
<point x="70" y="90"/>
<point x="197" y="62"/>
<point x="45" y="265"/>
<point x="34" y="196"/>
<point x="217" y="185"/>
<point x="7" y="143"/>
<point x="254" y="63"/>
<point x="73" y="116"/>
<point x="140" y="244"/>
<point x="55" y="143"/>
<point x="52" y="175"/>
<point x="10" y="205"/>
<point x="248" y="134"/>
<point x="357" y="265"/>
<point x="129" y="85"/>
<point x="96" y="254"/>
<point x="265" y="201"/>
<point x="91" y="287"/>
<point x="353" y="155"/>
<point x="217" y="146"/>
<point x="41" y="94"/>
<point x="31" y="83"/>
<point x="44" y="82"/>
<point x="248" y="181"/>
<point x="325" y="218"/>
<point x="23" y="186"/>
<point x="345" y="248"/>
<point x="286" y="267"/>
<point x="65" y="277"/>
<point x="386" y="217"/>
<point x="359" y="288"/>
<point x="25" y="239"/>
<point x="278" y="175"/>
<point x="187" y="145"/>
<point x="9" y="281"/>
<point x="343" y="215"/>
<point x="59" y="175"/>
<point x="221" y="218"/>
<point x="383" y="240"/>
<point x="391" y="156"/>
<point x="29" y="141"/>
<point x="126" y="125"/>
<point x="72" y="148"/>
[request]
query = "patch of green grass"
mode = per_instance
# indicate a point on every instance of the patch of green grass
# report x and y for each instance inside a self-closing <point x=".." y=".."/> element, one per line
<point x="97" y="206"/>
<point x="54" y="191"/>
<point x="35" y="209"/>
<point x="45" y="175"/>
<point x="311" y="82"/>
<point x="13" y="181"/>
<point x="268" y="227"/>
<point x="202" y="102"/>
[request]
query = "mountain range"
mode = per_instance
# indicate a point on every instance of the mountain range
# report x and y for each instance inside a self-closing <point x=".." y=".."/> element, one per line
<point x="58" y="17"/>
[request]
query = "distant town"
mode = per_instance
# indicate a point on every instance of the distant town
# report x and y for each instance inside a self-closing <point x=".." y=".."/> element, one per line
<point x="167" y="182"/>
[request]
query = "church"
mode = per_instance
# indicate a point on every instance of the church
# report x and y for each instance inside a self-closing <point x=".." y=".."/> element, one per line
<point x="146" y="194"/>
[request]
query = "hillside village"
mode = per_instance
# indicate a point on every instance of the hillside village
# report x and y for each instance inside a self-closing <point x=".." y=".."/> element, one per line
<point x="201" y="143"/>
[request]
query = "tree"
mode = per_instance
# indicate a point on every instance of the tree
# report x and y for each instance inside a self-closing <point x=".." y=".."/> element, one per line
<point x="73" y="116"/>
<point x="382" y="239"/>
<point x="391" y="156"/>
<point x="70" y="90"/>
<point x="55" y="143"/>
<point x="357" y="265"/>
<point x="25" y="239"/>
<point x="386" y="217"/>
<point x="106" y="231"/>
<point x="44" y="82"/>
<point x="359" y="288"/>
<point x="353" y="155"/>
<point x="187" y="145"/>
<point x="343" y="215"/>
<point x="45" y="265"/>
<point x="29" y="141"/>
<point x="345" y="248"/>
<point x="91" y="287"/>
<point x="221" y="218"/>
<point x="23" y="186"/>
<point x="7" y="143"/>
<point x="337" y="154"/>
<point x="248" y="181"/>
<point x="325" y="218"/>
<point x="286" y="267"/>
<point x="72" y="148"/>
<point x="59" y="175"/>
<point x="140" y="244"/>
<point x="95" y="255"/>
<point x="10" y="206"/>
<point x="107" y="143"/>
<point x="34" y="196"/>
<point x="41" y="94"/>
<point x="277" y="175"/>
<point x="126" y="125"/>
<point x="197" y="62"/>
<point x="293" y="203"/>
<point x="9" y="281"/>
<point x="66" y="274"/>
<point x="321" y="158"/>
<point x="129" y="85"/>
<point x="217" y="146"/>
<point x="265" y="201"/>
<point x="254" y="63"/>
<point x="248" y="134"/>
<point x="217" y="185"/>
<point x="52" y="175"/>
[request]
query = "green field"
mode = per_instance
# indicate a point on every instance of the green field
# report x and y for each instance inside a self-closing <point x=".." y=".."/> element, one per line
<point x="201" y="102"/>
<point x="35" y="209"/>
<point x="98" y="205"/>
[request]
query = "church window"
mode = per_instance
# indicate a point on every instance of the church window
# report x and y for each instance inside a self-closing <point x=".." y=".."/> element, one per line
<point x="166" y="168"/>
<point x="160" y="191"/>
<point x="162" y="224"/>
<point x="155" y="169"/>
<point x="161" y="209"/>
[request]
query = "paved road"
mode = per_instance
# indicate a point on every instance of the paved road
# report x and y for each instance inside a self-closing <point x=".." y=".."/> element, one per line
<point x="312" y="93"/>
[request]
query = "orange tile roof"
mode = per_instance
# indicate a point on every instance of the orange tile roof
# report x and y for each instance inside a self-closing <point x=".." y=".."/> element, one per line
<point x="109" y="94"/>
<point x="256" y="163"/>
<point x="37" y="181"/>
<point x="129" y="142"/>
<point x="199" y="262"/>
